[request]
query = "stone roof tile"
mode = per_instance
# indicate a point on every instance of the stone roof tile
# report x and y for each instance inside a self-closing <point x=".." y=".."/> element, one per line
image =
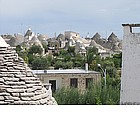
<point x="17" y="86"/>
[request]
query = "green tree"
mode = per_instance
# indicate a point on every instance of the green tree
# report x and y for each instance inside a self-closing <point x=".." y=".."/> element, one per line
<point x="35" y="50"/>
<point x="40" y="63"/>
<point x="117" y="59"/>
<point x="22" y="52"/>
<point x="71" y="50"/>
<point x="91" y="55"/>
<point x="59" y="64"/>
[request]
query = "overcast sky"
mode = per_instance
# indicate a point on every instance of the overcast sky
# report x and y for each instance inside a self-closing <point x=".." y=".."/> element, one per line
<point x="83" y="16"/>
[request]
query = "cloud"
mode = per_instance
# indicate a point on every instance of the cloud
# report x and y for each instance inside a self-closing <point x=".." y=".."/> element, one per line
<point x="63" y="14"/>
<point x="15" y="8"/>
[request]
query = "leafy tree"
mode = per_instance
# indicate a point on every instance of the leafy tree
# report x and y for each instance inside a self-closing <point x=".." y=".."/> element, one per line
<point x="67" y="57"/>
<point x="71" y="50"/>
<point x="59" y="64"/>
<point x="50" y="59"/>
<point x="91" y="55"/>
<point x="63" y="53"/>
<point x="40" y="63"/>
<point x="35" y="50"/>
<point x="45" y="46"/>
<point x="117" y="59"/>
<point x="78" y="60"/>
<point x="22" y="52"/>
<point x="63" y="65"/>
<point x="68" y="65"/>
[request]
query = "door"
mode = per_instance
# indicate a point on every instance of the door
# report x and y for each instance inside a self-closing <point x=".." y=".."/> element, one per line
<point x="53" y="86"/>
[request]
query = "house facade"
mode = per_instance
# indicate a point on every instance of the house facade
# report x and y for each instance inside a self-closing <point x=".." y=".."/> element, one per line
<point x="68" y="78"/>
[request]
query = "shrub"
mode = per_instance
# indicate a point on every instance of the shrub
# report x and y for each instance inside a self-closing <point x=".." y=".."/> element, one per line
<point x="94" y="95"/>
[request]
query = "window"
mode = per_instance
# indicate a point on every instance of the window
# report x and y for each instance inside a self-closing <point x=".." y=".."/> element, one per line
<point x="53" y="86"/>
<point x="74" y="82"/>
<point x="89" y="81"/>
<point x="135" y="29"/>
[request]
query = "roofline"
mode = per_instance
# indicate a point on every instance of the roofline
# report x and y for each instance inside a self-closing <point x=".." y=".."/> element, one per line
<point x="131" y="25"/>
<point x="72" y="32"/>
<point x="66" y="71"/>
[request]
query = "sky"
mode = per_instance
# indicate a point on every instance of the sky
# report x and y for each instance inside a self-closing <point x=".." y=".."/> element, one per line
<point x="57" y="16"/>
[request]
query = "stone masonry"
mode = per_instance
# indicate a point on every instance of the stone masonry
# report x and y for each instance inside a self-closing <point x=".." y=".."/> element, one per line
<point x="18" y="85"/>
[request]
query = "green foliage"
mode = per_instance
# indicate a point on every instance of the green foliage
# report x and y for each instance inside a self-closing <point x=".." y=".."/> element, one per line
<point x="117" y="59"/>
<point x="67" y="59"/>
<point x="22" y="52"/>
<point x="78" y="61"/>
<point x="59" y="64"/>
<point x="40" y="63"/>
<point x="65" y="65"/>
<point x="69" y="96"/>
<point x="71" y="50"/>
<point x="63" y="53"/>
<point x="94" y="95"/>
<point x="91" y="54"/>
<point x="45" y="46"/>
<point x="93" y="58"/>
<point x="35" y="50"/>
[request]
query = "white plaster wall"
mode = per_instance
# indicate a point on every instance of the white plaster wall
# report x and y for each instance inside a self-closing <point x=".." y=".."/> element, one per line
<point x="69" y="34"/>
<point x="130" y="81"/>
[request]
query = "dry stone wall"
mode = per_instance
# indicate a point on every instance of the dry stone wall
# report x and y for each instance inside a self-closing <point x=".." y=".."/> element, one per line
<point x="18" y="85"/>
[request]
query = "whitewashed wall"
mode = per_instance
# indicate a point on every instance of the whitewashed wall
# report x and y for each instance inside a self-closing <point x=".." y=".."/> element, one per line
<point x="130" y="84"/>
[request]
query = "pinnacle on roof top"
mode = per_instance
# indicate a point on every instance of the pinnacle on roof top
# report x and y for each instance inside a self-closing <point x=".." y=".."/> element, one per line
<point x="28" y="32"/>
<point x="112" y="36"/>
<point x="97" y="35"/>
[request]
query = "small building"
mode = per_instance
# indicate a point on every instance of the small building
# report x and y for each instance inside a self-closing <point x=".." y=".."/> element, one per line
<point x="28" y="35"/>
<point x="68" y="78"/>
<point x="62" y="40"/>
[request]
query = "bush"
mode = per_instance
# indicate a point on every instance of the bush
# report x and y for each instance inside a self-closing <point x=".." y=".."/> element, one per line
<point x="35" y="50"/>
<point x="94" y="95"/>
<point x="40" y="63"/>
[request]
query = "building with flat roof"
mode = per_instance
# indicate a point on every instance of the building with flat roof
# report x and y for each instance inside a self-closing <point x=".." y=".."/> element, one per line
<point x="68" y="78"/>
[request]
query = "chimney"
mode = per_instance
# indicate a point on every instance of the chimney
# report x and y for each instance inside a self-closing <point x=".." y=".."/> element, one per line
<point x="86" y="66"/>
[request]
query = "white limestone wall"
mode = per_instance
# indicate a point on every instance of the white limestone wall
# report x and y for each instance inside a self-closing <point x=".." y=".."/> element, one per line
<point x="130" y="82"/>
<point x="70" y="35"/>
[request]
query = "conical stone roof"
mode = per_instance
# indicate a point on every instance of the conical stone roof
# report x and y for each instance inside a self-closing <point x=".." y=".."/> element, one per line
<point x="61" y="37"/>
<point x="18" y="84"/>
<point x="113" y="38"/>
<point x="97" y="38"/>
<point x="28" y="33"/>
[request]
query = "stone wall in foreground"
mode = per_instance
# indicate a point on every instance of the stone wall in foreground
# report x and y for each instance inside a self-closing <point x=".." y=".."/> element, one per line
<point x="18" y="85"/>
